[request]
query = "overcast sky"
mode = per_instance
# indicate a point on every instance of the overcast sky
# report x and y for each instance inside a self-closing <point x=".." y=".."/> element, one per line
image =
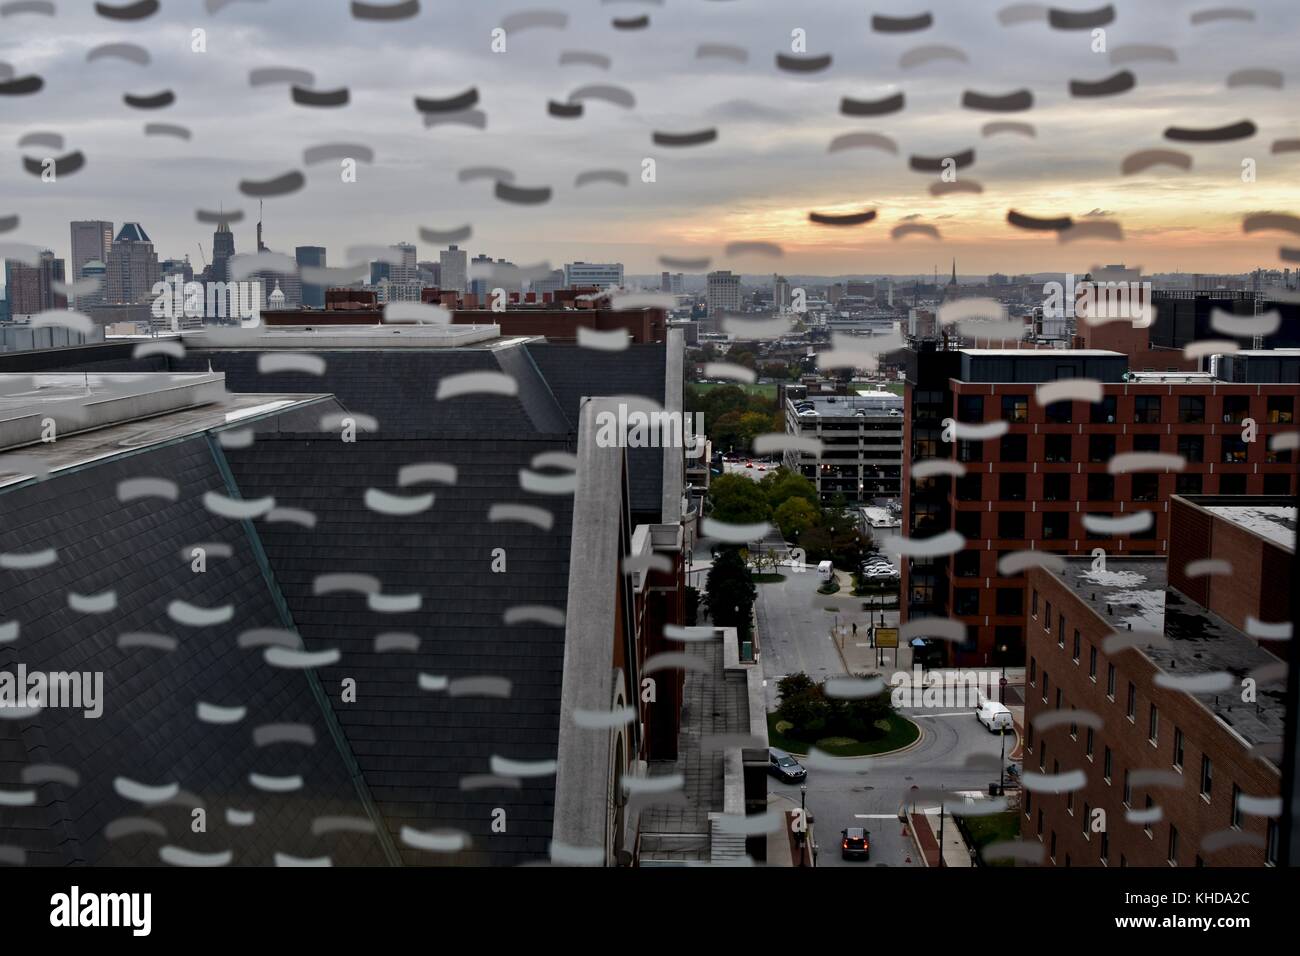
<point x="767" y="170"/>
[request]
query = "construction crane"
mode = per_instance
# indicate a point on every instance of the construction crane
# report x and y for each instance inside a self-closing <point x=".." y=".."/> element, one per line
<point x="202" y="256"/>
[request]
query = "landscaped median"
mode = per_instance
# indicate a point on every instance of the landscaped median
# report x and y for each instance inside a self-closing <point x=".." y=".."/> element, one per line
<point x="842" y="726"/>
<point x="896" y="733"/>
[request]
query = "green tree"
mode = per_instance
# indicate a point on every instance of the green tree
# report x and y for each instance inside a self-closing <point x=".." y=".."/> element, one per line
<point x="795" y="517"/>
<point x="730" y="592"/>
<point x="783" y="484"/>
<point x="738" y="499"/>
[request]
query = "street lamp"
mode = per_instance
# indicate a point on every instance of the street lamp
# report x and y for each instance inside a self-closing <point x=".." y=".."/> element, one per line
<point x="1002" y="759"/>
<point x="1002" y="687"/>
<point x="803" y="820"/>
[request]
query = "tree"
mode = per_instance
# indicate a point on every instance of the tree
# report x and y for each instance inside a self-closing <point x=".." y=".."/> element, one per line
<point x="753" y="424"/>
<point x="783" y="484"/>
<point x="730" y="592"/>
<point x="738" y="500"/>
<point x="795" y="517"/>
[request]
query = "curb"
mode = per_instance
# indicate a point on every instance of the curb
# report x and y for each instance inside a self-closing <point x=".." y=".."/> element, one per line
<point x="920" y="736"/>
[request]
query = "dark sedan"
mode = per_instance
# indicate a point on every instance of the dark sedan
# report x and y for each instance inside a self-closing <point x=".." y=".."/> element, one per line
<point x="780" y="764"/>
<point x="855" y="844"/>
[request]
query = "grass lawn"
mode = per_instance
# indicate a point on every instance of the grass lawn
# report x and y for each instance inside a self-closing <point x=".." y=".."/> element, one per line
<point x="767" y="390"/>
<point x="899" y="733"/>
<point x="994" y="828"/>
<point x="830" y="587"/>
<point x="766" y="578"/>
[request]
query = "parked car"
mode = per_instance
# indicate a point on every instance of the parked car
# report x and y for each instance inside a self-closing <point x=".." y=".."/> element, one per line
<point x="781" y="765"/>
<point x="996" y="717"/>
<point x="855" y="843"/>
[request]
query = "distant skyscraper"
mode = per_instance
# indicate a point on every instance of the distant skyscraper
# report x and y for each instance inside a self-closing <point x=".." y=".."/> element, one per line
<point x="551" y="283"/>
<point x="780" y="293"/>
<point x="289" y="283"/>
<point x="602" y="275"/>
<point x="478" y="283"/>
<point x="723" y="293"/>
<point x="223" y="247"/>
<point x="379" y="271"/>
<point x="132" y="267"/>
<point x="429" y="273"/>
<point x="30" y="289"/>
<point x="92" y="239"/>
<point x="455" y="269"/>
<point x="403" y="272"/>
<point x="313" y="296"/>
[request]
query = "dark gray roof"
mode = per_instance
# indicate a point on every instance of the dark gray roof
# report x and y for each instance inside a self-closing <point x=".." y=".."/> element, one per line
<point x="416" y="746"/>
<point x="150" y="731"/>
<point x="573" y="372"/>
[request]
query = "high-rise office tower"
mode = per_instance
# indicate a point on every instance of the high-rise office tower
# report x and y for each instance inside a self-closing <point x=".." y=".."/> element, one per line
<point x="313" y="296"/>
<point x="455" y="269"/>
<point x="132" y="267"/>
<point x="92" y="239"/>
<point x="289" y="283"/>
<point x="30" y="289"/>
<point x="223" y="248"/>
<point x="723" y="292"/>
<point x="403" y="272"/>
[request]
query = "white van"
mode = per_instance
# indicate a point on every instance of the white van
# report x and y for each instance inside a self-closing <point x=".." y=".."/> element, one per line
<point x="826" y="570"/>
<point x="996" y="717"/>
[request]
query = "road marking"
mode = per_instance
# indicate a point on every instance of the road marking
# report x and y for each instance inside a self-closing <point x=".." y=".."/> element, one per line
<point x="955" y="713"/>
<point x="876" y="816"/>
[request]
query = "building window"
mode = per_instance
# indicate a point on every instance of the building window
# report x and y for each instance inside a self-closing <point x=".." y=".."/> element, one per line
<point x="1042" y="754"/>
<point x="1012" y="487"/>
<point x="1069" y="802"/>
<point x="1153" y="725"/>
<point x="1060" y="630"/>
<point x="1110" y="681"/>
<point x="1078" y="643"/>
<point x="1057" y="449"/>
<point x="1059" y="701"/>
<point x="1047" y="616"/>
<point x="1015" y="408"/>
<point x="1029" y="805"/>
<point x="1105" y="848"/>
<point x="967" y="524"/>
<point x="1106" y="764"/>
<point x="1092" y="663"/>
<point x="1033" y="671"/>
<point x="1270" y="843"/>
<point x="1232" y="484"/>
<point x="1101" y="448"/>
<point x="1045" y="680"/>
<point x="1235" y="816"/>
<point x="1236" y="409"/>
<point x="1013" y="448"/>
<point x="1146" y="442"/>
<point x="970" y="451"/>
<point x="1277" y="484"/>
<point x="1191" y="409"/>
<point x="970" y="487"/>
<point x="966" y="601"/>
<point x="1103" y="413"/>
<point x="1010" y="601"/>
<point x="1234" y="450"/>
<point x="1146" y="827"/>
<point x="970" y="408"/>
<point x="1101" y="487"/>
<point x="967" y="564"/>
<point x="1090" y="739"/>
<point x="1146" y="487"/>
<point x="1281" y="410"/>
<point x="1033" y="606"/>
<point x="1087" y="812"/>
<point x="1053" y="852"/>
<point x="1207" y="776"/>
<point x="1029" y="738"/>
<point x="1146" y="409"/>
<point x="1178" y="748"/>
<point x="1011" y="525"/>
<point x="1128" y="791"/>
<point x="1040" y="823"/>
<point x="1132" y="708"/>
<point x="1192" y="447"/>
<point x="1188" y="484"/>
<point x="1056" y="525"/>
<point x="1173" y="845"/>
<point x="1058" y="413"/>
<point x="1056" y="487"/>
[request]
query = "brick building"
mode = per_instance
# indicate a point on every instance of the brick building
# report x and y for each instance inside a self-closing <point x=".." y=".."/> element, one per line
<point x="1032" y="487"/>
<point x="1184" y="775"/>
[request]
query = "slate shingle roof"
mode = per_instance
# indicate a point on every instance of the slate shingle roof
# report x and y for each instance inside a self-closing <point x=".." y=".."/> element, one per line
<point x="573" y="372"/>
<point x="149" y="731"/>
<point x="416" y="746"/>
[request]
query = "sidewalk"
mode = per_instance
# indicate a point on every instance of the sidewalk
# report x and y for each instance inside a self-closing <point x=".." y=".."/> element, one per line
<point x="925" y="831"/>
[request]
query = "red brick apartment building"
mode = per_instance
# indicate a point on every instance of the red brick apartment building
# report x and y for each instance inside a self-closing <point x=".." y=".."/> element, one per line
<point x="1032" y="487"/>
<point x="1207" y="758"/>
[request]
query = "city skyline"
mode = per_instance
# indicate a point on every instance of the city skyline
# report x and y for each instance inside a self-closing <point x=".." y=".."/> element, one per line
<point x="769" y="168"/>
